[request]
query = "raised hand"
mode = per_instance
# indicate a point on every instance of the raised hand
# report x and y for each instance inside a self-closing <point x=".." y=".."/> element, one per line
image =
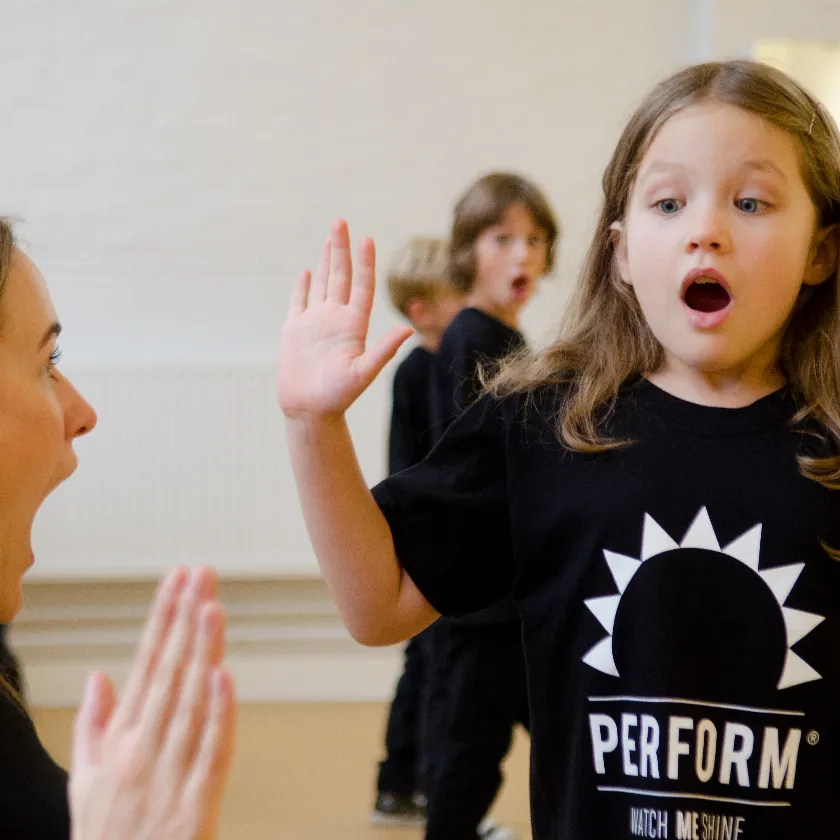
<point x="154" y="765"/>
<point x="323" y="363"/>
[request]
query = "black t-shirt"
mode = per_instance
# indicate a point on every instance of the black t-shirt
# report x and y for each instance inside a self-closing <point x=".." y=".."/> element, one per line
<point x="681" y="620"/>
<point x="472" y="338"/>
<point x="33" y="788"/>
<point x="410" y="439"/>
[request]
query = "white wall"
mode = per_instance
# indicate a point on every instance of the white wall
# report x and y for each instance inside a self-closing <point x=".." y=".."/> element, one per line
<point x="738" y="23"/>
<point x="175" y="163"/>
<point x="814" y="64"/>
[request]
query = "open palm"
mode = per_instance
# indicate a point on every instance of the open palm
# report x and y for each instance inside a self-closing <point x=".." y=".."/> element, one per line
<point x="323" y="363"/>
<point x="153" y="765"/>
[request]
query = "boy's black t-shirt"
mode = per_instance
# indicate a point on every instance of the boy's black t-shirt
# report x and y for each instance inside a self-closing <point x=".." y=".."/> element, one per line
<point x="410" y="437"/>
<point x="33" y="788"/>
<point x="681" y="619"/>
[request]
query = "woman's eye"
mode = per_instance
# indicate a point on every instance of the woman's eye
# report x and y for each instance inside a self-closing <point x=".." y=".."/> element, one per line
<point x="54" y="359"/>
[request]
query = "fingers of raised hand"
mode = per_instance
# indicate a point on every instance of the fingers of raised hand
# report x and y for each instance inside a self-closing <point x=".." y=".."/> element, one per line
<point x="165" y="680"/>
<point x="187" y="723"/>
<point x="300" y="295"/>
<point x="160" y="769"/>
<point x="152" y="639"/>
<point x="361" y="294"/>
<point x="211" y="763"/>
<point x="91" y="719"/>
<point x="341" y="264"/>
<point x="334" y="278"/>
<point x="320" y="280"/>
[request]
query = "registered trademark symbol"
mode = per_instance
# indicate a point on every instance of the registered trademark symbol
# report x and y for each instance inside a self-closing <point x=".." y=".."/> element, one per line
<point x="813" y="737"/>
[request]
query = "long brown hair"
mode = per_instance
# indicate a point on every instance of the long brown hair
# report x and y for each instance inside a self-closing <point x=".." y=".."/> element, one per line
<point x="604" y="339"/>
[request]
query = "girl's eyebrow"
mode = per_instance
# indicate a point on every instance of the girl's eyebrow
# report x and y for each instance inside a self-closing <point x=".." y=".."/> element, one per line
<point x="757" y="164"/>
<point x="663" y="166"/>
<point x="764" y="165"/>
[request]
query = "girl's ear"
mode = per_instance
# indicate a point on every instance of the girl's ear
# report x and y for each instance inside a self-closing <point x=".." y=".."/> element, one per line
<point x="618" y="237"/>
<point x="824" y="256"/>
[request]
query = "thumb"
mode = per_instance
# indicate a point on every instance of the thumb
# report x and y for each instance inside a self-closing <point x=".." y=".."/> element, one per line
<point x="375" y="358"/>
<point x="97" y="707"/>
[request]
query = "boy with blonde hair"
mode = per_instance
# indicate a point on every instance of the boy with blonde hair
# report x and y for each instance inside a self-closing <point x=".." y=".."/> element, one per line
<point x="420" y="291"/>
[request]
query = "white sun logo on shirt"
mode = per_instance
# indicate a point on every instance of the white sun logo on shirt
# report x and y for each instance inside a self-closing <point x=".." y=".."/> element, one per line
<point x="701" y="534"/>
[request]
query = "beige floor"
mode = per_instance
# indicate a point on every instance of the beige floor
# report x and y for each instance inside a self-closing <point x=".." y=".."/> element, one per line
<point x="305" y="771"/>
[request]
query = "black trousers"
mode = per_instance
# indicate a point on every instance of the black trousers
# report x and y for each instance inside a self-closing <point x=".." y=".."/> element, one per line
<point x="479" y="694"/>
<point x="404" y="769"/>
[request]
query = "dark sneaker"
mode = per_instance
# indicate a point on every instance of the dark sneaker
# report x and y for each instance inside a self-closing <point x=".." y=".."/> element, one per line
<point x="396" y="810"/>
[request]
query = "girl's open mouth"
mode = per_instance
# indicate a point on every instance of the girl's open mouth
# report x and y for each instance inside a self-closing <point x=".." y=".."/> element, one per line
<point x="706" y="295"/>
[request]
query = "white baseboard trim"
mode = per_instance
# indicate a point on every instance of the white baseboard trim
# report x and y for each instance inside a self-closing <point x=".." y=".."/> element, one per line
<point x="285" y="641"/>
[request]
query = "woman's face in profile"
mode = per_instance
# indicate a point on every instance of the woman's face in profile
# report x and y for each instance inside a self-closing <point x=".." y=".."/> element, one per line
<point x="41" y="414"/>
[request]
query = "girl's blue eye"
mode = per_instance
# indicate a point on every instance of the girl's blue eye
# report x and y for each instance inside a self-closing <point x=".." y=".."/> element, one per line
<point x="502" y="239"/>
<point x="668" y="206"/>
<point x="748" y="205"/>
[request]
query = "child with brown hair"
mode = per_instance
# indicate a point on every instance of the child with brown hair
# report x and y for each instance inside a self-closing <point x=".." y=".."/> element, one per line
<point x="502" y="242"/>
<point x="657" y="489"/>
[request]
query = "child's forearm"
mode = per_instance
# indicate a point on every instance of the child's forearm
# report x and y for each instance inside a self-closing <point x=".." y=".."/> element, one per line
<point x="378" y="602"/>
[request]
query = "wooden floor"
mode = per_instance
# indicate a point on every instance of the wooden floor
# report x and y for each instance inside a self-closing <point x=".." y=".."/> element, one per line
<point x="306" y="772"/>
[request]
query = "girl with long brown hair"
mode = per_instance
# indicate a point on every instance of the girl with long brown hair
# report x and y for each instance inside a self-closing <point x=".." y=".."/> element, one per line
<point x="656" y="489"/>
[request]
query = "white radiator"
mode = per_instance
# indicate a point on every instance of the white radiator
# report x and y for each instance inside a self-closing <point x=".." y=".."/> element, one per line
<point x="187" y="465"/>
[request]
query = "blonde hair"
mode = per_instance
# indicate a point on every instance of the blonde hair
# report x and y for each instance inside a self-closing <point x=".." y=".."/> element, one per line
<point x="604" y="339"/>
<point x="417" y="272"/>
<point x="483" y="205"/>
